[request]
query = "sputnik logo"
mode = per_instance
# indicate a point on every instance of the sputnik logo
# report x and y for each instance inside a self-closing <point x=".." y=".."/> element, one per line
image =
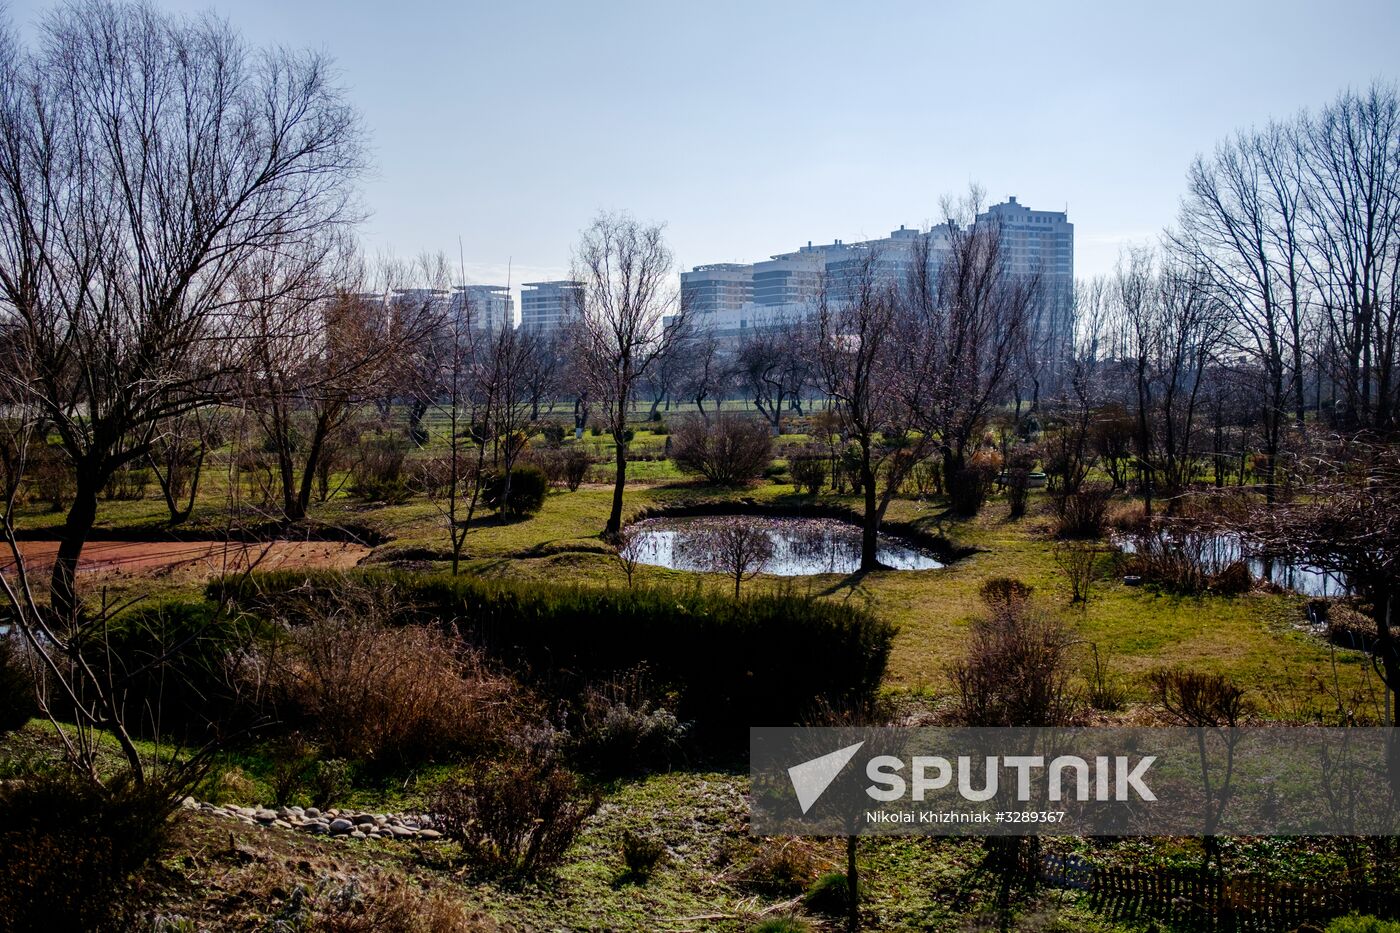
<point x="811" y="778"/>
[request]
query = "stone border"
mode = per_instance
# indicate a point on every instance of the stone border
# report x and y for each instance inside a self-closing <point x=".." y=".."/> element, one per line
<point x="348" y="824"/>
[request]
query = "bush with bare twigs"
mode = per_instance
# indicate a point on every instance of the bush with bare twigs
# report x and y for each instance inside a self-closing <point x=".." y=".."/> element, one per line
<point x="1017" y="669"/>
<point x="1083" y="513"/>
<point x="370" y="691"/>
<point x="1198" y="699"/>
<point x="514" y="817"/>
<point x="728" y="450"/>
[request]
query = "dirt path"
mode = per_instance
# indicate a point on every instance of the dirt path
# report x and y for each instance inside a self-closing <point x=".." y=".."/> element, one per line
<point x="189" y="560"/>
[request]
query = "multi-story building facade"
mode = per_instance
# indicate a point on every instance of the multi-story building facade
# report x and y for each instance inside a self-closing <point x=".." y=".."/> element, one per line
<point x="788" y="285"/>
<point x="720" y="286"/>
<point x="492" y="307"/>
<point x="545" y="306"/>
<point x="1041" y="243"/>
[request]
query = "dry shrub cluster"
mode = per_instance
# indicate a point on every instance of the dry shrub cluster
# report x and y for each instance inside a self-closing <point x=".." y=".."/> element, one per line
<point x="381" y="904"/>
<point x="728" y="450"/>
<point x="1199" y="699"/>
<point x="1017" y="669"/>
<point x="368" y="690"/>
<point x="516" y="816"/>
<point x="782" y="867"/>
<point x="1083" y="513"/>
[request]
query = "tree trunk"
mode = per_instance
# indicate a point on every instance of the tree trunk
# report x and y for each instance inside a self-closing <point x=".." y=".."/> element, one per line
<point x="619" y="483"/>
<point x="869" y="559"/>
<point x="82" y="515"/>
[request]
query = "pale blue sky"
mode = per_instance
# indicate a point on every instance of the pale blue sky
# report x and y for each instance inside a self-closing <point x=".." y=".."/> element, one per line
<point x="751" y="128"/>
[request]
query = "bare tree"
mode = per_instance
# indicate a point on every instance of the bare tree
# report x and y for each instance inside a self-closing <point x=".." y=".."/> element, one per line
<point x="628" y="314"/>
<point x="860" y="360"/>
<point x="1352" y="163"/>
<point x="705" y="375"/>
<point x="773" y="366"/>
<point x="143" y="159"/>
<point x="1241" y="225"/>
<point x="738" y="548"/>
<point x="967" y="313"/>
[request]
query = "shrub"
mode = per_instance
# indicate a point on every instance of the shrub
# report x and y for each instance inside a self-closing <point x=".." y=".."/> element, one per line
<point x="621" y="730"/>
<point x="52" y="476"/>
<point x="178" y="663"/>
<point x="70" y="847"/>
<point x="763" y="661"/>
<point x="641" y="854"/>
<point x="969" y="486"/>
<point x="1083" y="513"/>
<point x="731" y="449"/>
<point x="331" y="781"/>
<point x="375" y="905"/>
<point x="808" y="469"/>
<point x="379" y="475"/>
<point x="1234" y="580"/>
<point x="523" y="495"/>
<point x="372" y="692"/>
<point x="516" y="817"/>
<point x="576" y="464"/>
<point x="784" y="867"/>
<point x="998" y="591"/>
<point x="1080" y="565"/>
<point x="553" y="433"/>
<point x="1198" y="699"/>
<point x="1016" y="671"/>
<point x="1105" y="691"/>
<point x="829" y="896"/>
<point x="17" y="700"/>
<point x="1018" y="489"/>
<point x="128" y="483"/>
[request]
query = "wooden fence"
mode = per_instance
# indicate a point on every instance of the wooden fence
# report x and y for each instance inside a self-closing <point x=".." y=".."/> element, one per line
<point x="1199" y="901"/>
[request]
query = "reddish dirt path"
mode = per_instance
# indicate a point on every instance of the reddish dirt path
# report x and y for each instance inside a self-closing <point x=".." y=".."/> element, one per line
<point x="188" y="560"/>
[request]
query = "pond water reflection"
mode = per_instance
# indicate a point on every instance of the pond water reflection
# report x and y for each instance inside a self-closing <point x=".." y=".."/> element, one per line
<point x="801" y="546"/>
<point x="1214" y="552"/>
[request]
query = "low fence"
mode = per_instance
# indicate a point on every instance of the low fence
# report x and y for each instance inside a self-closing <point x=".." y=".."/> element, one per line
<point x="1197" y="900"/>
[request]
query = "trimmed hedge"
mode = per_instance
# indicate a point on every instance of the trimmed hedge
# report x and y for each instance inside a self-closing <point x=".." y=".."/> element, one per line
<point x="765" y="660"/>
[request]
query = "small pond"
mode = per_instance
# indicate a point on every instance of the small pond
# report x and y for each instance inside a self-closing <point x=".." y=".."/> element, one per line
<point x="800" y="546"/>
<point x="1215" y="552"/>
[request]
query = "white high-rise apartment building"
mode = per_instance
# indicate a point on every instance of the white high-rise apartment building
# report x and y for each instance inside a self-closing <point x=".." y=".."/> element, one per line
<point x="492" y="307"/>
<point x="1041" y="243"/>
<point x="730" y="299"/>
<point x="544" y="306"/>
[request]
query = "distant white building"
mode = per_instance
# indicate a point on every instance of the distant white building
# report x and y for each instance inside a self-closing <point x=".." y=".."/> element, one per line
<point x="544" y="306"/>
<point x="730" y="299"/>
<point x="492" y="307"/>
<point x="1041" y="243"/>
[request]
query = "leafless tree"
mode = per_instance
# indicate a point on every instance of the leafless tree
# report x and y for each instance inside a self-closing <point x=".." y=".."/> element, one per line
<point x="860" y="360"/>
<point x="144" y="158"/>
<point x="479" y="383"/>
<point x="628" y="314"/>
<point x="321" y="345"/>
<point x="966" y="316"/>
<point x="773" y="366"/>
<point x="1351" y="157"/>
<point x="738" y="548"/>
<point x="705" y="375"/>
<point x="1242" y="226"/>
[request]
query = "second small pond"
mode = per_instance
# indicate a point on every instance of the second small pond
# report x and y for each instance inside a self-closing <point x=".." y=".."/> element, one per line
<point x="800" y="546"/>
